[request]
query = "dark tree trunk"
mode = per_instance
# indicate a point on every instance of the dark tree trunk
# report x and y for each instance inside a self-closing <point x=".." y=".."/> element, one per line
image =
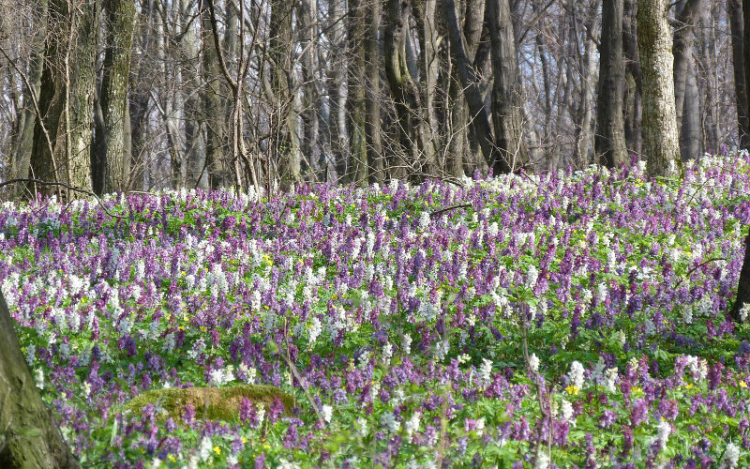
<point x="402" y="86"/>
<point x="734" y="10"/>
<point x="30" y="436"/>
<point x="114" y="95"/>
<point x="688" y="12"/>
<point x="478" y="112"/>
<point x="610" y="135"/>
<point x="743" y="288"/>
<point x="61" y="149"/>
<point x="507" y="99"/>
<point x="634" y="92"/>
<point x="373" y="129"/>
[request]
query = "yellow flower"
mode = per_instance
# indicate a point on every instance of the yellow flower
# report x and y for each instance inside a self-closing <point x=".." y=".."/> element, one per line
<point x="266" y="446"/>
<point x="171" y="457"/>
<point x="689" y="386"/>
<point x="573" y="390"/>
<point x="203" y="328"/>
<point x="743" y="385"/>
<point x="637" y="390"/>
<point x="244" y="440"/>
<point x="217" y="450"/>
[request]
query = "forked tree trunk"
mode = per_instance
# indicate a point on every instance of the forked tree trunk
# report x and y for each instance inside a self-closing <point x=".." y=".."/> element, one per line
<point x="30" y="437"/>
<point x="661" y="139"/>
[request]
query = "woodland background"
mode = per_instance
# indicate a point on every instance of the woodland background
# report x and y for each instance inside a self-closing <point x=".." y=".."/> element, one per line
<point x="149" y="94"/>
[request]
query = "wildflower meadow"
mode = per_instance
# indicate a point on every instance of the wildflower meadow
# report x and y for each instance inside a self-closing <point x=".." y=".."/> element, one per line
<point x="570" y="319"/>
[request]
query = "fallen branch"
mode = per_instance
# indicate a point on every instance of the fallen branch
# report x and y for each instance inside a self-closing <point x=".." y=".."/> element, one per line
<point x="60" y="184"/>
<point x="452" y="207"/>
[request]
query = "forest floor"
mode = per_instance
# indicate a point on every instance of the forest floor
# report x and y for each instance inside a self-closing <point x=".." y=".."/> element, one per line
<point x="559" y="320"/>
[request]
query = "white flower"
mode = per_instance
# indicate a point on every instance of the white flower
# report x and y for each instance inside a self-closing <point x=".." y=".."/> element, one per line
<point x="327" y="412"/>
<point x="412" y="425"/>
<point x="731" y="455"/>
<point x="39" y="378"/>
<point x="387" y="352"/>
<point x="566" y="408"/>
<point x="485" y="371"/>
<point x="205" y="448"/>
<point x="611" y="379"/>
<point x="362" y="427"/>
<point x="531" y="277"/>
<point x="744" y="312"/>
<point x="534" y="363"/>
<point x="542" y="461"/>
<point x="315" y="329"/>
<point x="576" y="374"/>
<point x="388" y="420"/>
<point x="662" y="433"/>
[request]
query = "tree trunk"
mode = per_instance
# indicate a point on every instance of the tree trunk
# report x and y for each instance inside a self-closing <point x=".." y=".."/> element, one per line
<point x="214" y="115"/>
<point x="120" y="16"/>
<point x="337" y="90"/>
<point x="428" y="75"/>
<point x="634" y="91"/>
<point x="373" y="129"/>
<point x="403" y="88"/>
<point x="286" y="120"/>
<point x="507" y="97"/>
<point x="661" y="139"/>
<point x="308" y="31"/>
<point x="688" y="11"/>
<point x="356" y="95"/>
<point x="189" y="50"/>
<point x="584" y="137"/>
<point x="478" y="111"/>
<point x="743" y="288"/>
<point x="30" y="436"/>
<point x="690" y="132"/>
<point x="610" y="135"/>
<point x="734" y="11"/>
<point x="62" y="140"/>
<point x="23" y="139"/>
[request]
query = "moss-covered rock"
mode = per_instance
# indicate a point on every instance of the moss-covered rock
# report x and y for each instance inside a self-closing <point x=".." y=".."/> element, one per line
<point x="208" y="403"/>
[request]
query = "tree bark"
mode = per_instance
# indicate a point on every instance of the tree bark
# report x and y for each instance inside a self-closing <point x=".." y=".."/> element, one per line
<point x="743" y="287"/>
<point x="31" y="438"/>
<point x="507" y="95"/>
<point x="66" y="95"/>
<point x="735" y="14"/>
<point x="214" y="113"/>
<point x="634" y="91"/>
<point x="23" y="138"/>
<point x="690" y="132"/>
<point x="403" y="88"/>
<point x="610" y="135"/>
<point x="479" y="113"/>
<point x="284" y="84"/>
<point x="337" y="90"/>
<point x="373" y="129"/>
<point x="661" y="138"/>
<point x="688" y="12"/>
<point x="120" y="16"/>
<point x="357" y="92"/>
